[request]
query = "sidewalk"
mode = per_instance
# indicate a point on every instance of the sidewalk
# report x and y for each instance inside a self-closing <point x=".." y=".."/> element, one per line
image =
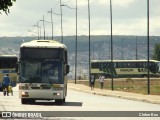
<point x="155" y="99"/>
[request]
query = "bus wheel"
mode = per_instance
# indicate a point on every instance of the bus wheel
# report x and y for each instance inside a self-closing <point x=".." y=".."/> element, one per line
<point x="64" y="100"/>
<point x="59" y="101"/>
<point x="24" y="101"/>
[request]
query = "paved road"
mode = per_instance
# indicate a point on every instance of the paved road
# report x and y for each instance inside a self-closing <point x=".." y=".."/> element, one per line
<point x="80" y="101"/>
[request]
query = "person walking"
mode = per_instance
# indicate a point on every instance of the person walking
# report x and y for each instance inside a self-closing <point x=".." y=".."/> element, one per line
<point x="92" y="81"/>
<point x="101" y="79"/>
<point x="6" y="82"/>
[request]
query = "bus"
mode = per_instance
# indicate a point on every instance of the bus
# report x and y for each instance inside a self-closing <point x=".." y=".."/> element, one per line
<point x="125" y="68"/>
<point x="43" y="68"/>
<point x="8" y="65"/>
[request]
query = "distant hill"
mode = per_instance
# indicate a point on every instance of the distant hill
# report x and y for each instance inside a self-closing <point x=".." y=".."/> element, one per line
<point x="124" y="47"/>
<point x="97" y="42"/>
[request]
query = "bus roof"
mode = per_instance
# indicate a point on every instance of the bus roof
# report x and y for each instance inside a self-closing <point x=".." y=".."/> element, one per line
<point x="5" y="56"/>
<point x="124" y="60"/>
<point x="43" y="44"/>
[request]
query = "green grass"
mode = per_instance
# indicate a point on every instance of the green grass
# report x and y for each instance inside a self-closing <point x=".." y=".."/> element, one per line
<point x="135" y="85"/>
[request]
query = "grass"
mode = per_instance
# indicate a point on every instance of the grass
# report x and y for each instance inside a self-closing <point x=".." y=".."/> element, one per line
<point x="130" y="85"/>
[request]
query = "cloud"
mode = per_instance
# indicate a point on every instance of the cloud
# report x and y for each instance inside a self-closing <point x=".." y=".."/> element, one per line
<point x="122" y="3"/>
<point x="129" y="17"/>
<point x="79" y="3"/>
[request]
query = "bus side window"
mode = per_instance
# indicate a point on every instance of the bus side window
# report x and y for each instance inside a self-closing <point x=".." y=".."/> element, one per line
<point x="100" y="66"/>
<point x="124" y="65"/>
<point x="115" y="65"/>
<point x="120" y="65"/>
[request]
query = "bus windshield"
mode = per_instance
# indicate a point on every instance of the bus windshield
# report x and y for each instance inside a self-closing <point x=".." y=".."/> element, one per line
<point x="39" y="53"/>
<point x="41" y="72"/>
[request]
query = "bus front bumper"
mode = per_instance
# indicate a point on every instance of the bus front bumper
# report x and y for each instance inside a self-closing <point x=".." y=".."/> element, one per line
<point x="41" y="94"/>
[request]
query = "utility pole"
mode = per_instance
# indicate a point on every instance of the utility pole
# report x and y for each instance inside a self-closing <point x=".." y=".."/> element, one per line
<point x="51" y="21"/>
<point x="75" y="38"/>
<point x="111" y="45"/>
<point x="61" y="22"/>
<point x="148" y="45"/>
<point x="136" y="49"/>
<point x="43" y="26"/>
<point x="37" y="29"/>
<point x="76" y="48"/>
<point x="89" y="41"/>
<point x="122" y="48"/>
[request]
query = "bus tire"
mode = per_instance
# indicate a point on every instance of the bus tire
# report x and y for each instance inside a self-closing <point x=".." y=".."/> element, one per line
<point x="59" y="101"/>
<point x="23" y="101"/>
<point x="64" y="100"/>
<point x="66" y="91"/>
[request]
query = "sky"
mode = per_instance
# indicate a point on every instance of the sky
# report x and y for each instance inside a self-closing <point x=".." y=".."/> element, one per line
<point x="129" y="17"/>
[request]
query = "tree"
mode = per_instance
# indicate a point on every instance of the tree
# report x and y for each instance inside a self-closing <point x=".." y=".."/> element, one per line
<point x="5" y="4"/>
<point x="156" y="52"/>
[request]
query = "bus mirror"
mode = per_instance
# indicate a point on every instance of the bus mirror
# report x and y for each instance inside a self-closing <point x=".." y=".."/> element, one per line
<point x="16" y="69"/>
<point x="67" y="69"/>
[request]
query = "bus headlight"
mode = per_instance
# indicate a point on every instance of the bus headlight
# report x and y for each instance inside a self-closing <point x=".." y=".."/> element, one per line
<point x="57" y="94"/>
<point x="25" y="94"/>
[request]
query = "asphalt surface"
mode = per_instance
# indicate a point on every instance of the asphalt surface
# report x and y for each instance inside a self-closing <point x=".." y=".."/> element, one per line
<point x="155" y="99"/>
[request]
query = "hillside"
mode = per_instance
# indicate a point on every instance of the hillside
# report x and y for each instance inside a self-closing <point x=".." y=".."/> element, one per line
<point x="83" y="41"/>
<point x="124" y="47"/>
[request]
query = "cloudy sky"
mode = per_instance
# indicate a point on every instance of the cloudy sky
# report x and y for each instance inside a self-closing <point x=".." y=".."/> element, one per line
<point x="129" y="17"/>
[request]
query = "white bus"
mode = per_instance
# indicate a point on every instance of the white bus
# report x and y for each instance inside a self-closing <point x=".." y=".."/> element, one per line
<point x="43" y="66"/>
<point x="125" y="68"/>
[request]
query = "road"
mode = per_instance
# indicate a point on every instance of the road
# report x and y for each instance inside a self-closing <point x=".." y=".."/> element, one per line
<point x="80" y="101"/>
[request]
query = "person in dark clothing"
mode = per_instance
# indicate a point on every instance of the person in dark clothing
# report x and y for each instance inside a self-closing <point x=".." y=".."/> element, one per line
<point x="92" y="81"/>
<point x="6" y="82"/>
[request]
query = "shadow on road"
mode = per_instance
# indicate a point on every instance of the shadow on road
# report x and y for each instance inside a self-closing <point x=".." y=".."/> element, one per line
<point x="78" y="104"/>
<point x="52" y="103"/>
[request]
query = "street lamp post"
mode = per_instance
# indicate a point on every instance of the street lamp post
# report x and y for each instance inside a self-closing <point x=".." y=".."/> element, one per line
<point x="33" y="32"/>
<point x="122" y="48"/>
<point x="38" y="29"/>
<point x="61" y="23"/>
<point x="43" y="20"/>
<point x="51" y="21"/>
<point x="51" y="11"/>
<point x="40" y="33"/>
<point x="76" y="47"/>
<point x="76" y="40"/>
<point x="111" y="45"/>
<point x="89" y="39"/>
<point x="148" y="45"/>
<point x="136" y="49"/>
